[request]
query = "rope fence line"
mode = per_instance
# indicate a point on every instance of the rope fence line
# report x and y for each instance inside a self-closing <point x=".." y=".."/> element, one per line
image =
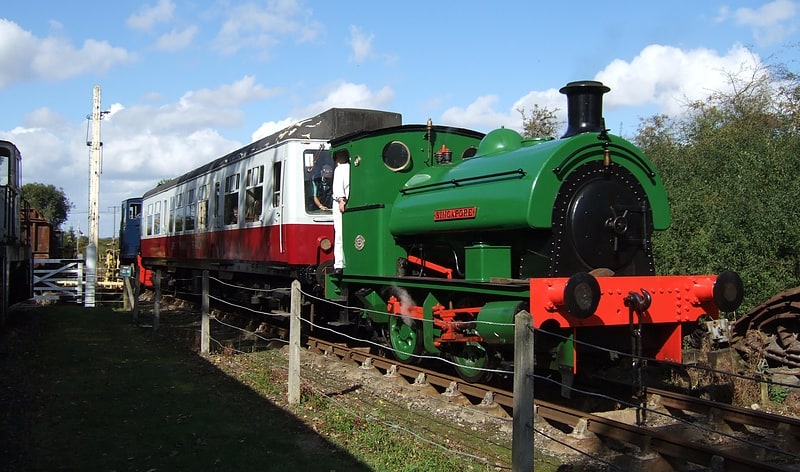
<point x="253" y="333"/>
<point x="242" y="287"/>
<point x="623" y="402"/>
<point x="528" y="426"/>
<point x="563" y="337"/>
<point x="611" y="352"/>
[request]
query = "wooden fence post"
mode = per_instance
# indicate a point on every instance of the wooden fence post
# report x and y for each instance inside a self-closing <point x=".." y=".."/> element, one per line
<point x="294" y="346"/>
<point x="79" y="295"/>
<point x="137" y="287"/>
<point x="522" y="436"/>
<point x="205" y="331"/>
<point x="127" y="291"/>
<point x="156" y="298"/>
<point x="91" y="276"/>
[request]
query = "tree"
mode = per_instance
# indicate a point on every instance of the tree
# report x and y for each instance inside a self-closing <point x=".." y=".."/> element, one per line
<point x="51" y="202"/>
<point x="541" y="123"/>
<point x="70" y="243"/>
<point x="729" y="168"/>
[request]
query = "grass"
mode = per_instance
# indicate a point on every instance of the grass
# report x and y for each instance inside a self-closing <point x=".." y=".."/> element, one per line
<point x="86" y="389"/>
<point x="373" y="430"/>
<point x="83" y="389"/>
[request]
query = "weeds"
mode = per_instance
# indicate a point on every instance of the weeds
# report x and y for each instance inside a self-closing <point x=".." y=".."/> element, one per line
<point x="778" y="394"/>
<point x="366" y="431"/>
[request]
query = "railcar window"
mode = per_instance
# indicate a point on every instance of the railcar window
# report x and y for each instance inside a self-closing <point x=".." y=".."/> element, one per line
<point x="232" y="183"/>
<point x="396" y="156"/>
<point x="189" y="216"/>
<point x="179" y="220"/>
<point x="134" y="211"/>
<point x="163" y="225"/>
<point x="179" y="213"/>
<point x="202" y="214"/>
<point x="149" y="225"/>
<point x="189" y="211"/>
<point x="202" y="207"/>
<point x="171" y="221"/>
<point x="277" y="182"/>
<point x="255" y="193"/>
<point x="157" y="219"/>
<point x="315" y="182"/>
<point x="232" y="199"/>
<point x="4" y="168"/>
<point x="217" y="204"/>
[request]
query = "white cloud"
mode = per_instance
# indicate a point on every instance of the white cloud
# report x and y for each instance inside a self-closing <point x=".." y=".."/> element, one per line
<point x="668" y="77"/>
<point x="176" y="40"/>
<point x="770" y="23"/>
<point x="361" y="44"/>
<point x="659" y="79"/>
<point x="142" y="144"/>
<point x="480" y="114"/>
<point x="350" y="95"/>
<point x="16" y="46"/>
<point x="770" y="14"/>
<point x="257" y="27"/>
<point x="237" y="93"/>
<point x="269" y="127"/>
<point x="197" y="109"/>
<point x="24" y="56"/>
<point x="55" y="59"/>
<point x="148" y="16"/>
<point x="723" y="14"/>
<point x="340" y="95"/>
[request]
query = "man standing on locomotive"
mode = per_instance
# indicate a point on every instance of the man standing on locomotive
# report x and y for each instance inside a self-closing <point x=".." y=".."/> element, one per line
<point x="341" y="192"/>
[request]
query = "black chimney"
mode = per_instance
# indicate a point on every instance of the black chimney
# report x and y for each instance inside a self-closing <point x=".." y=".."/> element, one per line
<point x="584" y="106"/>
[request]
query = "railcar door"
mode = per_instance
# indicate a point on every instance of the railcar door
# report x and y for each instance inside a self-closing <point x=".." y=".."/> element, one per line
<point x="277" y="201"/>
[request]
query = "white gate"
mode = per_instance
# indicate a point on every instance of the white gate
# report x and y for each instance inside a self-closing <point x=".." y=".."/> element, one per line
<point x="58" y="279"/>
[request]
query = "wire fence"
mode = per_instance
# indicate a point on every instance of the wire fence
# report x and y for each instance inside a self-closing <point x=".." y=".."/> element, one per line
<point x="528" y="422"/>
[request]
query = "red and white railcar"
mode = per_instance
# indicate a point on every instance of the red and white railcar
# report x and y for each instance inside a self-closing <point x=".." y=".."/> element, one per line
<point x="250" y="214"/>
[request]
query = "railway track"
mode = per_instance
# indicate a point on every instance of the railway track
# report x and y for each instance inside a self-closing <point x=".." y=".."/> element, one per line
<point x="745" y="450"/>
<point x="741" y="439"/>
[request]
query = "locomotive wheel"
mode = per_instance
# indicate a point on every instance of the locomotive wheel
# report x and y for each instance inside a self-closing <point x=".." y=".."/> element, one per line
<point x="470" y="360"/>
<point x="405" y="336"/>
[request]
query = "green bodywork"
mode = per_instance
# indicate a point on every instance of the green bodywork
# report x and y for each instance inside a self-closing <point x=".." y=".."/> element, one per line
<point x="511" y="185"/>
<point x="515" y="189"/>
<point x="487" y="217"/>
<point x="370" y="247"/>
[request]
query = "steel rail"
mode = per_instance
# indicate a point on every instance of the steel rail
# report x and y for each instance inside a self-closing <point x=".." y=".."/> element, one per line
<point x="644" y="438"/>
<point x="729" y="413"/>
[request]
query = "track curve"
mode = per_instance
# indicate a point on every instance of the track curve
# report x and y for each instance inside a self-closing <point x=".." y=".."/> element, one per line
<point x="771" y="330"/>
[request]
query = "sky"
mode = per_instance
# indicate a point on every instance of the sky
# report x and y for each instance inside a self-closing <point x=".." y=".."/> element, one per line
<point x="186" y="81"/>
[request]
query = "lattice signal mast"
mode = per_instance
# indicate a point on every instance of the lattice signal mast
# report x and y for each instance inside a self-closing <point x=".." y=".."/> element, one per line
<point x="95" y="168"/>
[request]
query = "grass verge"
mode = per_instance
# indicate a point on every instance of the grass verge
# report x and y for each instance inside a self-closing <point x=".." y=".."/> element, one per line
<point x="83" y="389"/>
<point x="86" y="389"/>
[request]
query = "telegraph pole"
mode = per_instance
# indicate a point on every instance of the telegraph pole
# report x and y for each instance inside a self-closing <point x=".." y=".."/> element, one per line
<point x="94" y="169"/>
<point x="114" y="226"/>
